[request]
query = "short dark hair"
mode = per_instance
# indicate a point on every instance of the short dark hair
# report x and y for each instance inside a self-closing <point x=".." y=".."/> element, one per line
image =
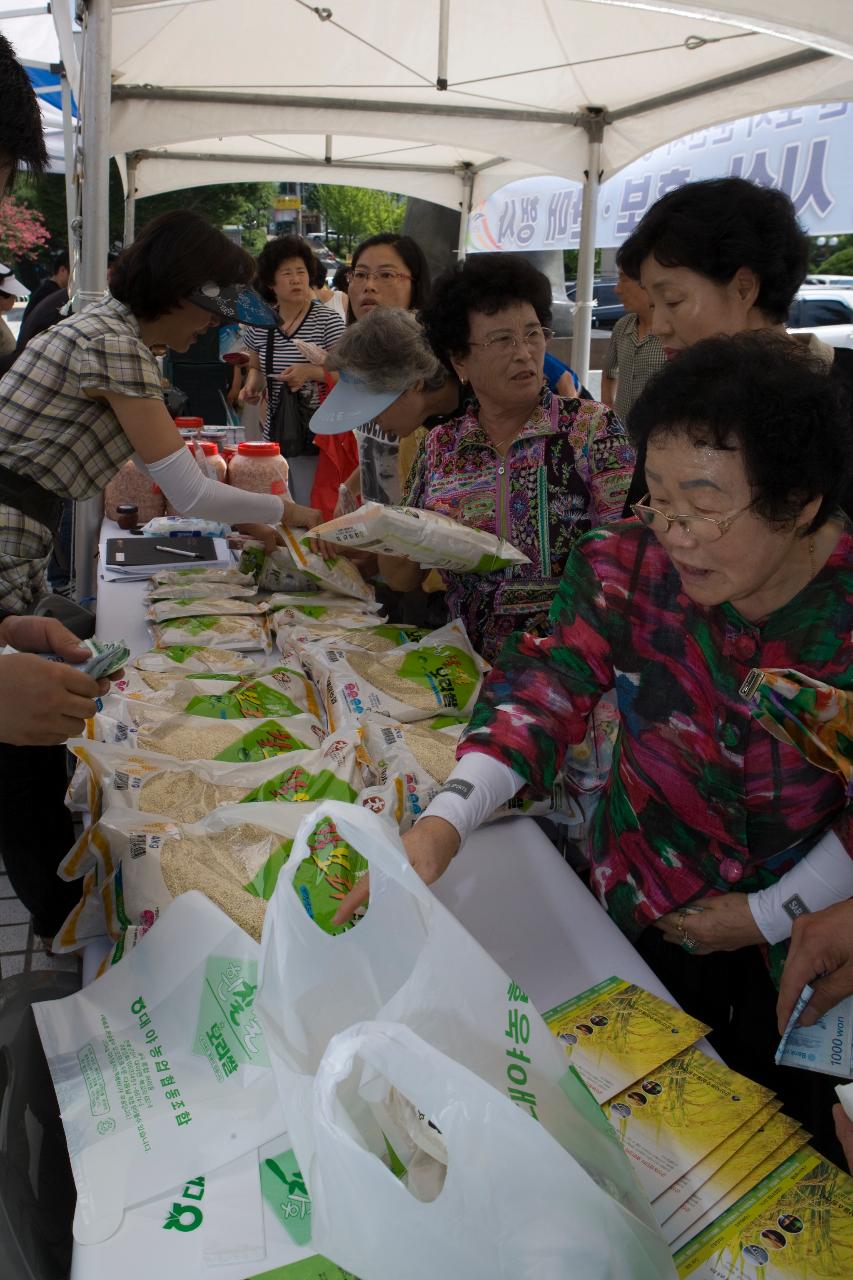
<point x="484" y="282"/>
<point x="413" y="256"/>
<point x="59" y="260"/>
<point x="21" y="134"/>
<point x="341" y="278"/>
<point x="277" y="251"/>
<point x="716" y="227"/>
<point x="171" y="256"/>
<point x="768" y="393"/>
<point x="318" y="279"/>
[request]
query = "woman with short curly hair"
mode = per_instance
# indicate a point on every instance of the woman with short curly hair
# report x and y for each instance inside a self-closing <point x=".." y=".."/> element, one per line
<point x="723" y="257"/>
<point x="278" y="364"/>
<point x="711" y="834"/>
<point x="518" y="461"/>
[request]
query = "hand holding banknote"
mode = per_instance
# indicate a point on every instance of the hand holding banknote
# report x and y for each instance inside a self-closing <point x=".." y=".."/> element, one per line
<point x="821" y="955"/>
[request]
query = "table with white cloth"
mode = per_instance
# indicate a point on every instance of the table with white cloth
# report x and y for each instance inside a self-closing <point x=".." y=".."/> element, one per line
<point x="507" y="885"/>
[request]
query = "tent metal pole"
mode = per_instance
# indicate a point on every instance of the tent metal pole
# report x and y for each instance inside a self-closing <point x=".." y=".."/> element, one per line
<point x="95" y="114"/>
<point x="443" y="43"/>
<point x="68" y="147"/>
<point x="465" y="208"/>
<point x="132" y="161"/>
<point x="582" y="321"/>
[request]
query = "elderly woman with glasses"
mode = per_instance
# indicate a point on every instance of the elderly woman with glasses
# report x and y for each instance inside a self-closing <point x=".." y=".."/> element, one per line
<point x="711" y="834"/>
<point x="517" y="461"/>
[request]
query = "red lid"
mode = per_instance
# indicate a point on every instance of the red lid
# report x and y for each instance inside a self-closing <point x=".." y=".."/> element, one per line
<point x="208" y="448"/>
<point x="258" y="449"/>
<point x="189" y="424"/>
<point x="228" y="451"/>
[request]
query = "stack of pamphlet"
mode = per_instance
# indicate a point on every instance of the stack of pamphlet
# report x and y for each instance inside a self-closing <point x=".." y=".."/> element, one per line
<point x="731" y="1180"/>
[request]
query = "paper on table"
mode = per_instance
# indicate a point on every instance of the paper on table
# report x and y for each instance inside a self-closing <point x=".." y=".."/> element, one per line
<point x="615" y="1033"/>
<point x="776" y="1158"/>
<point x="685" y="1188"/>
<point x="796" y="1225"/>
<point x="688" y="1108"/>
<point x="740" y="1170"/>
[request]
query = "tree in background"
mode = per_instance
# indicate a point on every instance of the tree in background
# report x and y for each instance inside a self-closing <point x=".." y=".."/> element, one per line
<point x="353" y="213"/>
<point x="837" y="263"/>
<point x="243" y="204"/>
<point x="23" y="233"/>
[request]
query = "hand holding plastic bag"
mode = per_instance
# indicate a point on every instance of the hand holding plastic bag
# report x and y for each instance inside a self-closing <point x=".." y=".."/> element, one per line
<point x="410" y="961"/>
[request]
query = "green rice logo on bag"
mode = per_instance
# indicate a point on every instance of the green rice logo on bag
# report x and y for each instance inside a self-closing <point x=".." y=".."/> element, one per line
<point x="450" y="674"/>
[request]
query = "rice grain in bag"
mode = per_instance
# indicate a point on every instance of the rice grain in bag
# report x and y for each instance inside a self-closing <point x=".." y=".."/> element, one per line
<point x="439" y="674"/>
<point x="336" y="574"/>
<point x="160" y="1067"/>
<point x="185" y="658"/>
<point x="233" y="856"/>
<point x="188" y="791"/>
<point x="198" y="607"/>
<point x="235" y="632"/>
<point x="431" y="540"/>
<point x="186" y="737"/>
<point x="202" y="591"/>
<point x="209" y="576"/>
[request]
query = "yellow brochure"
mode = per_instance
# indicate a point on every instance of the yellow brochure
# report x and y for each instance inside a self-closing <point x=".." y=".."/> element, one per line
<point x="796" y="1225"/>
<point x="696" y="1178"/>
<point x="744" y="1164"/>
<point x="685" y="1109"/>
<point x="786" y="1149"/>
<point x="615" y="1033"/>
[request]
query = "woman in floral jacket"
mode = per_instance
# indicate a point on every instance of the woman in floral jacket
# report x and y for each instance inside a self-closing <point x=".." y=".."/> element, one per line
<point x="520" y="462"/>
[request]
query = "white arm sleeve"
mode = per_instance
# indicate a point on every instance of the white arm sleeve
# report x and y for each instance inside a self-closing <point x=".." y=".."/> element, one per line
<point x="478" y="785"/>
<point x="195" y="494"/>
<point x="824" y="876"/>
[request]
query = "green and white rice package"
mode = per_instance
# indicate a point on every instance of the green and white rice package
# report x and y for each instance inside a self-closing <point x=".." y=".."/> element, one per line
<point x="216" y="631"/>
<point x="202" y="591"/>
<point x="440" y="674"/>
<point x="196" y="607"/>
<point x="431" y="540"/>
<point x="334" y="574"/>
<point x="209" y="577"/>
<point x="188" y="790"/>
<point x="282" y="691"/>
<point x="233" y="856"/>
<point x="181" y="659"/>
<point x="273" y="571"/>
<point x="185" y="737"/>
<point x="160" y="1067"/>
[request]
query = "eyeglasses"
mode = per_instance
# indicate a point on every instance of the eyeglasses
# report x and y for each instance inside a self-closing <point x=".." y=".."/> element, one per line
<point x="504" y="342"/>
<point x="702" y="528"/>
<point x="387" y="275"/>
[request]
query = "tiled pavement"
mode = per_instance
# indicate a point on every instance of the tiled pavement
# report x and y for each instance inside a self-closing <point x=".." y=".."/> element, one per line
<point x="20" y="950"/>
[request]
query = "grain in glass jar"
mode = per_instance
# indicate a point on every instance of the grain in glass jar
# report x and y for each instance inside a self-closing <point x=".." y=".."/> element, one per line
<point x="259" y="467"/>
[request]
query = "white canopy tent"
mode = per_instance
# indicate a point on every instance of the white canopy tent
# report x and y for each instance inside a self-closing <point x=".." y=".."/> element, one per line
<point x="449" y="99"/>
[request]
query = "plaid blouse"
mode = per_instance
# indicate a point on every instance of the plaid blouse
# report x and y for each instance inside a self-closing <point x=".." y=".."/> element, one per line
<point x="631" y="360"/>
<point x="53" y="432"/>
<point x="701" y="799"/>
<point x="567" y="471"/>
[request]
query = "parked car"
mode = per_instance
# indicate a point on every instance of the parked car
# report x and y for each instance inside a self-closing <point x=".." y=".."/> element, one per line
<point x="825" y="312"/>
<point x="843" y="282"/>
<point x="607" y="308"/>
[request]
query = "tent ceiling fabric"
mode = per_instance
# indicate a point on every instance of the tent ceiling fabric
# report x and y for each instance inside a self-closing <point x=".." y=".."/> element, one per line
<point x="516" y="75"/>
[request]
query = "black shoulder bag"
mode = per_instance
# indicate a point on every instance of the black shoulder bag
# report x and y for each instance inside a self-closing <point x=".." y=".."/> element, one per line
<point x="289" y="420"/>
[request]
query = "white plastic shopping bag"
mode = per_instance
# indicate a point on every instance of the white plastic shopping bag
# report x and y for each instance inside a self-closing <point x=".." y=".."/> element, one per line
<point x="514" y="1204"/>
<point x="160" y="1067"/>
<point x="176" y="1235"/>
<point x="409" y="961"/>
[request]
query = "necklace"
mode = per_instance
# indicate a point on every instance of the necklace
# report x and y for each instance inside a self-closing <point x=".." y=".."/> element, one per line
<point x="811" y="559"/>
<point x="289" y="326"/>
